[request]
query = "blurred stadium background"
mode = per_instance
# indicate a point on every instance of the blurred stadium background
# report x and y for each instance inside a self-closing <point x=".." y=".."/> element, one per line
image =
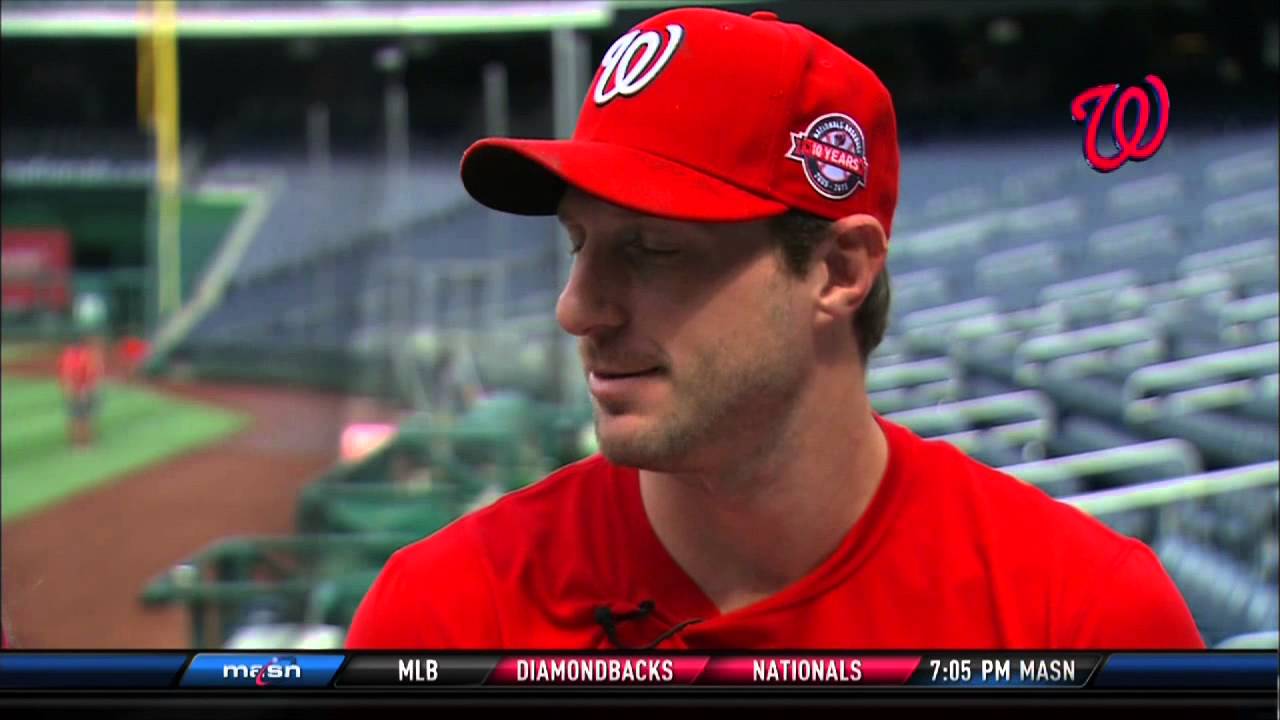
<point x="345" y="352"/>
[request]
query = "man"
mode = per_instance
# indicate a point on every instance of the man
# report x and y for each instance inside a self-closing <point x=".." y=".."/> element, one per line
<point x="729" y="192"/>
<point x="80" y="368"/>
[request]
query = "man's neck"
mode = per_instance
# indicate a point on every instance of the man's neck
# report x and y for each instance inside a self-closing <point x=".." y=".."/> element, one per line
<point x="760" y="522"/>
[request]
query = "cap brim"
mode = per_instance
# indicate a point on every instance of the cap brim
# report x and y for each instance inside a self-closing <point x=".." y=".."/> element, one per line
<point x="529" y="177"/>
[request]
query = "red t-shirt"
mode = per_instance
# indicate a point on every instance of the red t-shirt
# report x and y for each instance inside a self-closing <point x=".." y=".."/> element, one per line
<point x="949" y="554"/>
<point x="79" y="368"/>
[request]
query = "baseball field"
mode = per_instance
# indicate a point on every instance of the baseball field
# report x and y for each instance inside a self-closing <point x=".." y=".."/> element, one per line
<point x="138" y="427"/>
<point x="175" y="467"/>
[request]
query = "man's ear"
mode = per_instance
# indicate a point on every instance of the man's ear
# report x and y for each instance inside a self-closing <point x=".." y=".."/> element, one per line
<point x="852" y="255"/>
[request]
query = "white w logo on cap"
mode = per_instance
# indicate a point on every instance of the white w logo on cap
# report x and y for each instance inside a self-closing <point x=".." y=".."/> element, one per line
<point x="629" y="75"/>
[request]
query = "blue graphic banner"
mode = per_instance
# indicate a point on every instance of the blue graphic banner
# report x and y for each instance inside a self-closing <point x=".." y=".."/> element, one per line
<point x="1208" y="671"/>
<point x="105" y="670"/>
<point x="265" y="670"/>
<point x="1202" y="670"/>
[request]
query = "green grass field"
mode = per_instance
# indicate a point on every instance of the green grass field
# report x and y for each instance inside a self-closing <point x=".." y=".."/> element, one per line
<point x="135" y="428"/>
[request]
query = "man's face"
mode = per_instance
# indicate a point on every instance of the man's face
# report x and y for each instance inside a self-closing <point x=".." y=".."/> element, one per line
<point x="693" y="337"/>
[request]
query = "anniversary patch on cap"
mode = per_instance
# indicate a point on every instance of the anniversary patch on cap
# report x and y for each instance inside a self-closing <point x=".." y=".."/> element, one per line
<point x="833" y="153"/>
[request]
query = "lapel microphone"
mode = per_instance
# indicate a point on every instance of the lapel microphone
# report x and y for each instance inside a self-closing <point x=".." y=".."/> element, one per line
<point x="608" y="620"/>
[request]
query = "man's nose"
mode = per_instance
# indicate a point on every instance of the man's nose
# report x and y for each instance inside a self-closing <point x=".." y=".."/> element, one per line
<point x="591" y="302"/>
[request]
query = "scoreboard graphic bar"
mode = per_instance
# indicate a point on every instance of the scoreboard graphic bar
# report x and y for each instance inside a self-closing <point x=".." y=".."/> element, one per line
<point x="270" y="672"/>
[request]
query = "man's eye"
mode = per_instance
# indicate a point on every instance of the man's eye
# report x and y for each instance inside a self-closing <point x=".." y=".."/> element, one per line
<point x="643" y="248"/>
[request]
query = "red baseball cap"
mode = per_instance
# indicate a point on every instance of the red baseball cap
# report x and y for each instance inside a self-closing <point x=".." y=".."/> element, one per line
<point x="712" y="116"/>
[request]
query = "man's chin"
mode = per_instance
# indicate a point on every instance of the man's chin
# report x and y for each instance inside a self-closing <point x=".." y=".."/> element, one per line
<point x="629" y="440"/>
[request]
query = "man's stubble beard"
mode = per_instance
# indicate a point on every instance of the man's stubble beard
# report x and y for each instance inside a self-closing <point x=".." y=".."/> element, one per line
<point x="725" y="401"/>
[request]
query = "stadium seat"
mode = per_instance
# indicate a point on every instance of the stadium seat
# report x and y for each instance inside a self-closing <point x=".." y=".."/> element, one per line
<point x="1143" y="389"/>
<point x="1262" y="640"/>
<point x="1114" y="466"/>
<point x="1137" y="524"/>
<point x="1092" y="300"/>
<point x="919" y="290"/>
<point x="241" y="581"/>
<point x="891" y="351"/>
<point x="1114" y="348"/>
<point x="1150" y="247"/>
<point x="1249" y="264"/>
<point x="1015" y="276"/>
<point x="950" y="204"/>
<point x="1263" y="405"/>
<point x="911" y="385"/>
<point x="1009" y="413"/>
<point x="1243" y="171"/>
<point x="1050" y="220"/>
<point x="1241" y="217"/>
<point x="1247" y="321"/>
<point x="1225" y="440"/>
<point x="1039" y="183"/>
<point x="1248" y="398"/>
<point x="1224" y="599"/>
<point x="1136" y="198"/>
<point x="952" y="242"/>
<point x="1009" y="445"/>
<point x="1079" y="434"/>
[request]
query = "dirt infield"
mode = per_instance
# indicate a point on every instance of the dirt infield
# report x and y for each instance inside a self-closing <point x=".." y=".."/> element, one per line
<point x="73" y="573"/>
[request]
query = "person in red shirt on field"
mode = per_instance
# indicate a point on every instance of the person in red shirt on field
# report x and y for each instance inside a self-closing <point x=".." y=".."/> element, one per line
<point x="729" y="194"/>
<point x="132" y="351"/>
<point x="80" y="368"/>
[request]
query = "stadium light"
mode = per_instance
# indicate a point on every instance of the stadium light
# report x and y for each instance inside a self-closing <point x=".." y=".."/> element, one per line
<point x="122" y="20"/>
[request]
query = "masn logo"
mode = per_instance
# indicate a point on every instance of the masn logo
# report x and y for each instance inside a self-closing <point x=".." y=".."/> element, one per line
<point x="261" y="670"/>
<point x="278" y="668"/>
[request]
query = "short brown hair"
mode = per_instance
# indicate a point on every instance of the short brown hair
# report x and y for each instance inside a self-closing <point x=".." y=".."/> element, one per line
<point x="798" y="234"/>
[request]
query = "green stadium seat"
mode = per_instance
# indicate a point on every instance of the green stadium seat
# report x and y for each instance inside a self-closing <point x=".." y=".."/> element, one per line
<point x="1099" y="349"/>
<point x="1047" y="220"/>
<point x="1145" y="392"/>
<point x="1246" y="215"/>
<point x="1095" y="299"/>
<point x="1241" y="171"/>
<point x="1149" y="246"/>
<point x="1261" y="640"/>
<point x="1122" y="465"/>
<point x="243" y="581"/>
<point x="1143" y="196"/>
<point x="1246" y="263"/>
<point x="1225" y="440"/>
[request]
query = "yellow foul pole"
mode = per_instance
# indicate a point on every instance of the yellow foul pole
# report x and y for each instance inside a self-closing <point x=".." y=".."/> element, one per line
<point x="158" y="101"/>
